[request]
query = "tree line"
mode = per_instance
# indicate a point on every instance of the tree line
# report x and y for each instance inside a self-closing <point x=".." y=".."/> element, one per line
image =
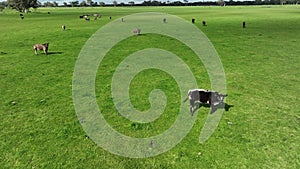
<point x="25" y="5"/>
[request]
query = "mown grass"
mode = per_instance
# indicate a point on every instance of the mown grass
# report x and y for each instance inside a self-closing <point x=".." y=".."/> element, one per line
<point x="40" y="129"/>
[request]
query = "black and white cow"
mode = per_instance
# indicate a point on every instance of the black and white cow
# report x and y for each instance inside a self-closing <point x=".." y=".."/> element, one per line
<point x="213" y="98"/>
<point x="63" y="27"/>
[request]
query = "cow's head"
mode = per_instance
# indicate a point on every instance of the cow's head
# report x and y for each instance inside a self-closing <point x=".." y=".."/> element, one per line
<point x="218" y="98"/>
<point x="46" y="45"/>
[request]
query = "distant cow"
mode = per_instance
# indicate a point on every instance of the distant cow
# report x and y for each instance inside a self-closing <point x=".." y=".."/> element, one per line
<point x="137" y="31"/>
<point x="203" y="96"/>
<point x="21" y="16"/>
<point x="84" y="16"/>
<point x="164" y="20"/>
<point x="203" y="23"/>
<point x="96" y="15"/>
<point x="63" y="27"/>
<point x="193" y="20"/>
<point x="244" y="24"/>
<point x="43" y="47"/>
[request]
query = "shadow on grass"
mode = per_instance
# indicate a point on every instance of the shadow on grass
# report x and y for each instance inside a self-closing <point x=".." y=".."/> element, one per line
<point x="54" y="53"/>
<point x="214" y="108"/>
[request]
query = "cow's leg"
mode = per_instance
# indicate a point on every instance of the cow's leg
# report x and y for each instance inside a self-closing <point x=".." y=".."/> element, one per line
<point x="191" y="107"/>
<point x="35" y="51"/>
<point x="45" y="51"/>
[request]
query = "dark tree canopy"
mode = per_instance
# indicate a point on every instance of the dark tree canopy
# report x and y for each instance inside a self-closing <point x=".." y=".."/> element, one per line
<point x="23" y="5"/>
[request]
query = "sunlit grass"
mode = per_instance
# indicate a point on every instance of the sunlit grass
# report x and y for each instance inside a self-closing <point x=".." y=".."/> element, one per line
<point x="39" y="127"/>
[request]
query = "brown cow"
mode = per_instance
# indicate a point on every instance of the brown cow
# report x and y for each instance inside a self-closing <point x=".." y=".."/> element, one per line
<point x="136" y="31"/>
<point x="96" y="15"/>
<point x="43" y="47"/>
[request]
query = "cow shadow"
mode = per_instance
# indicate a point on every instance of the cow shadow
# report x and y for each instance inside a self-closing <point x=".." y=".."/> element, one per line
<point x="54" y="53"/>
<point x="214" y="108"/>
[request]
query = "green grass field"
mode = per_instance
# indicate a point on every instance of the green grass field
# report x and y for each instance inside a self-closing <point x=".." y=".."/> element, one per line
<point x="39" y="127"/>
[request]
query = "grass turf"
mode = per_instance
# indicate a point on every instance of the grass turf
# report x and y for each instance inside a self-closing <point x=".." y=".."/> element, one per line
<point x="39" y="127"/>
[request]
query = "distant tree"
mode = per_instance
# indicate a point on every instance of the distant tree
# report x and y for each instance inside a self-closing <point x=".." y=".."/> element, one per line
<point x="146" y="3"/>
<point x="282" y="2"/>
<point x="131" y="3"/>
<point x="221" y="2"/>
<point x="48" y="4"/>
<point x="3" y="5"/>
<point x="156" y="3"/>
<point x="176" y="3"/>
<point x="74" y="3"/>
<point x="186" y="2"/>
<point x="258" y="2"/>
<point x="115" y="3"/>
<point x="65" y="4"/>
<point x="90" y="2"/>
<point x="101" y="3"/>
<point x="23" y="5"/>
<point x="55" y="4"/>
<point x="83" y="3"/>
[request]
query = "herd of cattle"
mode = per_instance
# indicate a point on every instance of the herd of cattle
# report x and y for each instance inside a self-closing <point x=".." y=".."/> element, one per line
<point x="45" y="46"/>
<point x="136" y="31"/>
<point x="87" y="16"/>
<point x="196" y="96"/>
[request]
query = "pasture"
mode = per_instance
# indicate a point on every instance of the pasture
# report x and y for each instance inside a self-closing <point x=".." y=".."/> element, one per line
<point x="39" y="127"/>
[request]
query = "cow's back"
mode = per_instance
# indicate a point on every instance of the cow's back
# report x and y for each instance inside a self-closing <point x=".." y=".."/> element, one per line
<point x="205" y="96"/>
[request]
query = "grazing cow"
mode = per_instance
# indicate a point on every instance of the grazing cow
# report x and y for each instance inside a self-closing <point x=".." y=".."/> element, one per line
<point x="244" y="24"/>
<point x="204" y="23"/>
<point x="96" y="15"/>
<point x="22" y="16"/>
<point x="193" y="20"/>
<point x="63" y="27"/>
<point x="84" y="16"/>
<point x="164" y="20"/>
<point x="203" y="96"/>
<point x="136" y="31"/>
<point x="87" y="19"/>
<point x="43" y="47"/>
